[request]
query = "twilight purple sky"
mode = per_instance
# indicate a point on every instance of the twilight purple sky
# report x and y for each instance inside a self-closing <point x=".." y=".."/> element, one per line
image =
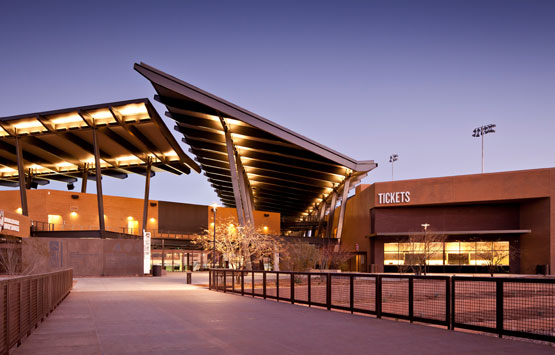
<point x="366" y="78"/>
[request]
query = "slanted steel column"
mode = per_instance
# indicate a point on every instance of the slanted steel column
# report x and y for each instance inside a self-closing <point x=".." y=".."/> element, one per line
<point x="21" y="173"/>
<point x="98" y="173"/>
<point x="84" y="178"/>
<point x="147" y="191"/>
<point x="329" y="230"/>
<point x="346" y="186"/>
<point x="245" y="192"/>
<point x="321" y="215"/>
<point x="234" y="176"/>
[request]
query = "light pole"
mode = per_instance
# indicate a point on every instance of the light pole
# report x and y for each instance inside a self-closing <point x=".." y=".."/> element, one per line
<point x="214" y="207"/>
<point x="481" y="132"/>
<point x="392" y="159"/>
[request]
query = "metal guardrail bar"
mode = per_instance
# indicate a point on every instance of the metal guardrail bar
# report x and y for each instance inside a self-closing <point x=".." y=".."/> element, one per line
<point x="506" y="306"/>
<point x="25" y="301"/>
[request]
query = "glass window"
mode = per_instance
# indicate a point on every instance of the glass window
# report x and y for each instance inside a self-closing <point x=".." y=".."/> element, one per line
<point x="482" y="253"/>
<point x="391" y="247"/>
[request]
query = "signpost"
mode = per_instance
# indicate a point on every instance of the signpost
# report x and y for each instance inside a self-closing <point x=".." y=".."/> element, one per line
<point x="146" y="249"/>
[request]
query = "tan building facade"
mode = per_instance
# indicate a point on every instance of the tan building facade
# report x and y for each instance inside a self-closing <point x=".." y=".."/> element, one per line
<point x="508" y="210"/>
<point x="68" y="210"/>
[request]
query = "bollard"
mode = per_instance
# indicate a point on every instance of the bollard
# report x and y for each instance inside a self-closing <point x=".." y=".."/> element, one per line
<point x="189" y="277"/>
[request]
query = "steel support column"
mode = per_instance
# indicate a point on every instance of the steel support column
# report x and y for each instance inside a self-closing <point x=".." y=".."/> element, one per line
<point x="329" y="230"/>
<point x="147" y="191"/>
<point x="84" y="178"/>
<point x="346" y="186"/>
<point x="98" y="172"/>
<point x="21" y="172"/>
<point x="321" y="215"/>
<point x="245" y="192"/>
<point x="234" y="175"/>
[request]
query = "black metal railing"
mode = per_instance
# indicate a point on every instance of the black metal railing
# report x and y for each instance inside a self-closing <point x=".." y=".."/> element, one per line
<point x="519" y="306"/>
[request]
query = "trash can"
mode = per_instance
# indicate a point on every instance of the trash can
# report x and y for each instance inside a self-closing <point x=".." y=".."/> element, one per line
<point x="189" y="277"/>
<point x="541" y="269"/>
<point x="157" y="270"/>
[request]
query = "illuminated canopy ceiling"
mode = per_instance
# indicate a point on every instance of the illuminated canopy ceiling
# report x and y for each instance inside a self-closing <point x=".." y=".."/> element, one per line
<point x="282" y="170"/>
<point x="58" y="145"/>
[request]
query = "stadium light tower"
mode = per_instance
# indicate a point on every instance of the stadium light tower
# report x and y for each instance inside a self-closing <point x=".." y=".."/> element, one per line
<point x="392" y="159"/>
<point x="481" y="132"/>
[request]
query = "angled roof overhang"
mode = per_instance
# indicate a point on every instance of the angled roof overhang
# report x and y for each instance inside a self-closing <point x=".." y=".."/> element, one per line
<point x="58" y="145"/>
<point x="283" y="171"/>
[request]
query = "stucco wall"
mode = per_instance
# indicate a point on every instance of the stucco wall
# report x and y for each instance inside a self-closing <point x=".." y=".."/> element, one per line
<point x="87" y="257"/>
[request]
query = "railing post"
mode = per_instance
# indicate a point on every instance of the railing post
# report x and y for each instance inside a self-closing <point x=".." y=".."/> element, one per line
<point x="19" y="302"/>
<point x="292" y="288"/>
<point x="352" y="293"/>
<point x="499" y="306"/>
<point x="328" y="291"/>
<point x="277" y="286"/>
<point x="309" y="289"/>
<point x="216" y="280"/>
<point x="378" y="296"/>
<point x="264" y="284"/>
<point x="7" y="316"/>
<point x="411" y="298"/>
<point x="232" y="281"/>
<point x="453" y="297"/>
<point x="252" y="283"/>
<point x="448" y="302"/>
<point x="225" y="281"/>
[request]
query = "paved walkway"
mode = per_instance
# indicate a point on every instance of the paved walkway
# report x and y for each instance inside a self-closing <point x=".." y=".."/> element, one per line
<point x="165" y="316"/>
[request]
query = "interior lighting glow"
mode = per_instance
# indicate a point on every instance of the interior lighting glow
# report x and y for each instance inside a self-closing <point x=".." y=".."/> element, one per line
<point x="127" y="158"/>
<point x="152" y="220"/>
<point x="28" y="124"/>
<point x="7" y="170"/>
<point x="130" y="218"/>
<point x="3" y="132"/>
<point x="65" y="119"/>
<point x="101" y="114"/>
<point x="133" y="109"/>
<point x="73" y="214"/>
<point x="65" y="164"/>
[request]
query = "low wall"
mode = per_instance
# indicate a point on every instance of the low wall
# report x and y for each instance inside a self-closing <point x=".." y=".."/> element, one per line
<point x="87" y="257"/>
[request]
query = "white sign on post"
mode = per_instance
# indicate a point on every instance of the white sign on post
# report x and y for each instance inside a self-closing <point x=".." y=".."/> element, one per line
<point x="146" y="249"/>
<point x="8" y="224"/>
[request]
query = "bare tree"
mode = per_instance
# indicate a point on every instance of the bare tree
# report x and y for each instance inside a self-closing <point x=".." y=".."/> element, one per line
<point x="299" y="256"/>
<point x="333" y="256"/>
<point x="494" y="258"/>
<point x="241" y="246"/>
<point x="419" y="249"/>
<point x="14" y="262"/>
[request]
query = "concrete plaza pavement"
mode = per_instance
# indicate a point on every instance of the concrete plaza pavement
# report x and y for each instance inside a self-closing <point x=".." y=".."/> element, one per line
<point x="166" y="316"/>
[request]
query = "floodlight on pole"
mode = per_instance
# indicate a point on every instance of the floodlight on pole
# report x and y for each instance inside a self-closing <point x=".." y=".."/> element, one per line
<point x="392" y="159"/>
<point x="481" y="132"/>
<point x="214" y="208"/>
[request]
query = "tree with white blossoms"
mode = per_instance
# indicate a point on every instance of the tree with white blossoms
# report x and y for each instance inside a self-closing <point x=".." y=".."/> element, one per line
<point x="241" y="246"/>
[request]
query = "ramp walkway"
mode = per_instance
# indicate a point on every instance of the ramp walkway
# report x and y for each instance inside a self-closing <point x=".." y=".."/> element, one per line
<point x="166" y="316"/>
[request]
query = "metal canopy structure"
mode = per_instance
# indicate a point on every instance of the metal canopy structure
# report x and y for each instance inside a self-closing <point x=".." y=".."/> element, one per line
<point x="111" y="139"/>
<point x="252" y="162"/>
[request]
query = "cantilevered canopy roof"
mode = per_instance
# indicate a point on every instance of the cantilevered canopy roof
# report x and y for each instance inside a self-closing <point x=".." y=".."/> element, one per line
<point x="58" y="145"/>
<point x="284" y="171"/>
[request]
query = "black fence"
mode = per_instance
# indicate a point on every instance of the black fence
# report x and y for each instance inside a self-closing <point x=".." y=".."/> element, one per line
<point x="521" y="307"/>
